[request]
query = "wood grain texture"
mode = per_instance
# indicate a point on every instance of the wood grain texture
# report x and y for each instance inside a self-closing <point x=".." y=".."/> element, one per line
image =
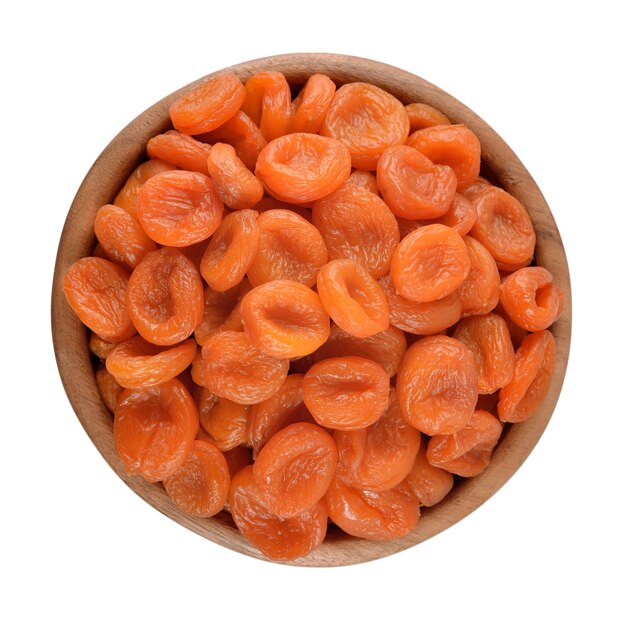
<point x="127" y="150"/>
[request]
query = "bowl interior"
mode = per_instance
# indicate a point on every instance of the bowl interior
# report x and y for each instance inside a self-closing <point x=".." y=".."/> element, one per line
<point x="127" y="150"/>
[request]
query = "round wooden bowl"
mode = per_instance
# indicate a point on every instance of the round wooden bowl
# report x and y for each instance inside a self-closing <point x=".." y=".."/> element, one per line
<point x="127" y="150"/>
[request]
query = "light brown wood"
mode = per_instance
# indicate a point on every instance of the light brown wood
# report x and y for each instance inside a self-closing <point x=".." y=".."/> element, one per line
<point x="127" y="150"/>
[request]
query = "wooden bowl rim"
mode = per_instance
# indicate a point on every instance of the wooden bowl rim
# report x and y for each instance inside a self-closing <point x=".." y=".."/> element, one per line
<point x="127" y="149"/>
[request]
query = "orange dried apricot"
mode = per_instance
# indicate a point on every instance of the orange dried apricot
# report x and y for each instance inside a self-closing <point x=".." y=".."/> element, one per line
<point x="480" y="291"/>
<point x="164" y="297"/>
<point x="224" y="420"/>
<point x="96" y="290"/>
<point x="367" y="120"/>
<point x="412" y="185"/>
<point x="285" y="319"/>
<point x="356" y="224"/>
<point x="375" y="515"/>
<point x="422" y="115"/>
<point x="232" y="367"/>
<point x="461" y="215"/>
<point x="353" y="299"/>
<point x="290" y="248"/>
<point x="294" y="469"/>
<point x="109" y="389"/>
<point x="437" y="385"/>
<point x="200" y="486"/>
<point x="380" y="456"/>
<point x="231" y="251"/>
<point x="454" y="145"/>
<point x="237" y="187"/>
<point x="534" y="364"/>
<point x="364" y="178"/>
<point x="121" y="236"/>
<point x="136" y="363"/>
<point x="154" y="429"/>
<point x="179" y="208"/>
<point x="468" y="451"/>
<point x="531" y="299"/>
<point x="277" y="538"/>
<point x="311" y="104"/>
<point x="487" y="336"/>
<point x="430" y="484"/>
<point x="303" y="167"/>
<point x="346" y="393"/>
<point x="268" y="103"/>
<point x="180" y="150"/>
<point x="100" y="347"/>
<point x="430" y="263"/>
<point x="209" y="105"/>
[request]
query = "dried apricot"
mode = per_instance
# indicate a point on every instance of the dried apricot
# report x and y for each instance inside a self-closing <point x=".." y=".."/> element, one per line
<point x="126" y="198"/>
<point x="285" y="319"/>
<point x="290" y="248"/>
<point x="487" y="336"/>
<point x="268" y="103"/>
<point x="277" y="538"/>
<point x="468" y="451"/>
<point x="109" y="389"/>
<point x="437" y="385"/>
<point x="380" y="456"/>
<point x="357" y="225"/>
<point x="303" y="167"/>
<point x="200" y="486"/>
<point x="311" y="105"/>
<point x="233" y="368"/>
<point x="461" y="215"/>
<point x="454" y="145"/>
<point x="164" y="297"/>
<point x="136" y="363"/>
<point x="364" y="178"/>
<point x="231" y="250"/>
<point x="422" y="115"/>
<point x="154" y="429"/>
<point x="534" y="364"/>
<point x="96" y="290"/>
<point x="367" y="120"/>
<point x="179" y="208"/>
<point x="430" y="263"/>
<point x="375" y="515"/>
<point x="353" y="299"/>
<point x="346" y="393"/>
<point x="480" y="291"/>
<point x="179" y="149"/>
<point x="224" y="420"/>
<point x="412" y="185"/>
<point x="430" y="484"/>
<point x="531" y="299"/>
<point x="100" y="347"/>
<point x="237" y="187"/>
<point x="294" y="468"/>
<point x="427" y="318"/>
<point x="209" y="105"/>
<point x="121" y="236"/>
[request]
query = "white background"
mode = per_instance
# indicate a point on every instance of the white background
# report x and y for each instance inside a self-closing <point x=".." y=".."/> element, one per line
<point x="77" y="546"/>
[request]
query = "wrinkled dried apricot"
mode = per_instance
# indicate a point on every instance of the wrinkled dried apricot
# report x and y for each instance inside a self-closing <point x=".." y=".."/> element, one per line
<point x="422" y="115"/>
<point x="231" y="251"/>
<point x="290" y="248"/>
<point x="208" y="105"/>
<point x="412" y="185"/>
<point x="136" y="363"/>
<point x="353" y="299"/>
<point x="100" y="347"/>
<point x="437" y="385"/>
<point x="375" y="515"/>
<point x="346" y="393"/>
<point x="531" y="299"/>
<point x="294" y="469"/>
<point x="311" y="104"/>
<point x="277" y="538"/>
<point x="96" y="290"/>
<point x="367" y="120"/>
<point x="233" y="368"/>
<point x="179" y="208"/>
<point x="364" y="178"/>
<point x="200" y="486"/>
<point x="430" y="263"/>
<point x="164" y="297"/>
<point x="534" y="364"/>
<point x="461" y="215"/>
<point x="268" y="103"/>
<point x="480" y="291"/>
<point x="468" y="451"/>
<point x="224" y="420"/>
<point x="380" y="456"/>
<point x="154" y="429"/>
<point x="110" y="390"/>
<point x="180" y="150"/>
<point x="454" y="145"/>
<point x="487" y="336"/>
<point x="285" y="319"/>
<point x="430" y="484"/>
<point x="357" y="225"/>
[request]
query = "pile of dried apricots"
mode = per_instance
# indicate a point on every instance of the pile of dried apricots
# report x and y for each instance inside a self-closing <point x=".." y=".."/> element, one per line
<point x="313" y="308"/>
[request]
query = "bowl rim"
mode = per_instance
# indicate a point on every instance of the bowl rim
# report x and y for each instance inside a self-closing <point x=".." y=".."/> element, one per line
<point x="124" y="153"/>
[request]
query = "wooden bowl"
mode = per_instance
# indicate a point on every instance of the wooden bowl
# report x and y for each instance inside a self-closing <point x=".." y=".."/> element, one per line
<point x="127" y="150"/>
